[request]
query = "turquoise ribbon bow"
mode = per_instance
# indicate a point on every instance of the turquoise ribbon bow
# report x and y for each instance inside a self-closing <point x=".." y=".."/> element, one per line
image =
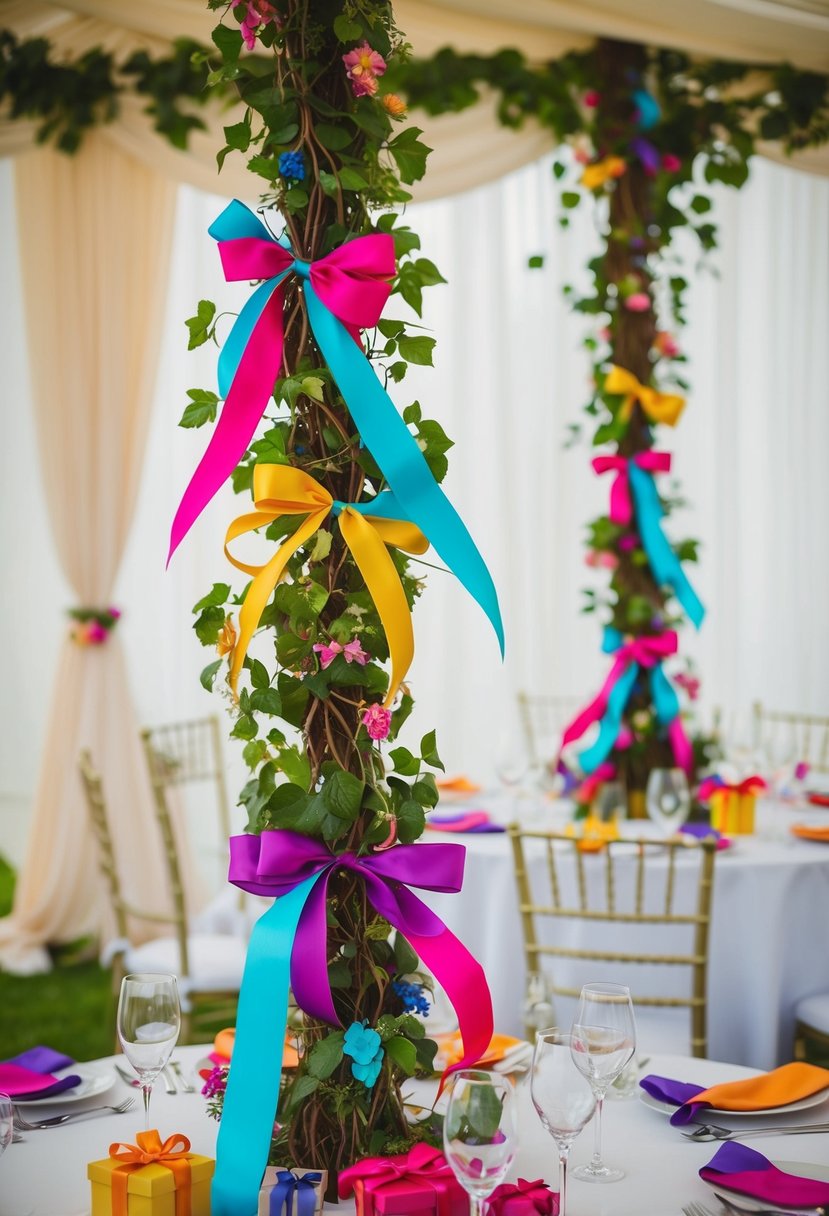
<point x="664" y="563"/>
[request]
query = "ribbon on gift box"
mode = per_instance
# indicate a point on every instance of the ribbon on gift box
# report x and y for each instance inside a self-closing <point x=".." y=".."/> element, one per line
<point x="150" y="1151"/>
<point x="523" y="1198"/>
<point x="716" y="784"/>
<point x="288" y="1186"/>
<point x="634" y="488"/>
<point x="345" y="291"/>
<point x="367" y="528"/>
<point x="632" y="655"/>
<point x="659" y="407"/>
<point x="422" y="1163"/>
<point x="288" y="946"/>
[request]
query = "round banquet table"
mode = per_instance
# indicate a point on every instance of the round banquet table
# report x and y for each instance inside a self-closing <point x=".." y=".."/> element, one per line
<point x="46" y="1174"/>
<point x="770" y="909"/>
<point x="766" y="945"/>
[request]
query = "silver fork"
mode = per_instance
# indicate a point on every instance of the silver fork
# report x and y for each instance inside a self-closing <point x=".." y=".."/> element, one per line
<point x="182" y="1080"/>
<point x="712" y="1131"/>
<point x="57" y="1120"/>
<point x="735" y="1207"/>
<point x="696" y="1209"/>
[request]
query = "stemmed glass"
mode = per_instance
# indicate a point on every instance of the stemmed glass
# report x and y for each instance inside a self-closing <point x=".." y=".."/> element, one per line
<point x="668" y="799"/>
<point x="480" y="1136"/>
<point x="149" y="1020"/>
<point x="562" y="1097"/>
<point x="6" y="1122"/>
<point x="603" y="1042"/>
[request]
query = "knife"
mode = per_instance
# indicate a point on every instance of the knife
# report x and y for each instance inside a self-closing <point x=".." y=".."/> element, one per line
<point x="126" y="1077"/>
<point x="169" y="1080"/>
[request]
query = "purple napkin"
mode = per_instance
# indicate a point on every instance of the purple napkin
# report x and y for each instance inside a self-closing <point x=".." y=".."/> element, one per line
<point x="675" y="1093"/>
<point x="464" y="821"/>
<point x="748" y="1172"/>
<point x="28" y="1076"/>
<point x="702" y="831"/>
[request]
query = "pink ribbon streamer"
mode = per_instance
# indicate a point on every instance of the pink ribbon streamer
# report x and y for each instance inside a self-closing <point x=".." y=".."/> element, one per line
<point x="621" y="503"/>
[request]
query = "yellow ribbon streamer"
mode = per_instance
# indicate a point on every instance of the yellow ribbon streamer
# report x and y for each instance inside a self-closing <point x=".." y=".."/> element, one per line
<point x="660" y="407"/>
<point x="282" y="490"/>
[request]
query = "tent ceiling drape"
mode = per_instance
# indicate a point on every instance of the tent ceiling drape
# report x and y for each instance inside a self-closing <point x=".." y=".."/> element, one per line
<point x="751" y="30"/>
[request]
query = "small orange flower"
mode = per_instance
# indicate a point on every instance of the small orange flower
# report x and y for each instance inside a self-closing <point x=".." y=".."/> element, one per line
<point x="602" y="171"/>
<point x="394" y="105"/>
<point x="227" y="638"/>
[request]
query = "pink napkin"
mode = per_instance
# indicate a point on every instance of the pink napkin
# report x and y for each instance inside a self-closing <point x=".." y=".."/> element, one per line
<point x="29" y="1075"/>
<point x="748" y="1172"/>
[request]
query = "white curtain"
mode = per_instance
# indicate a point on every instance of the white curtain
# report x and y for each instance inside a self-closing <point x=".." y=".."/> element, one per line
<point x="510" y="376"/>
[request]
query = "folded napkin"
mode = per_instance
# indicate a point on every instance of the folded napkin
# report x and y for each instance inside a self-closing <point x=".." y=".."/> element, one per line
<point x="807" y="832"/>
<point x="223" y="1049"/>
<point x="29" y="1075"/>
<point x="464" y="821"/>
<point x="818" y="799"/>
<point x="702" y="831"/>
<point x="779" y="1087"/>
<point x="458" y="785"/>
<point x="748" y="1172"/>
<point x="452" y="1049"/>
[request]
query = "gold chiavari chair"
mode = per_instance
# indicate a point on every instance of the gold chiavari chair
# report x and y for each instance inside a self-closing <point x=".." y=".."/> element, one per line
<point x="809" y="734"/>
<point x="188" y="753"/>
<point x="208" y="966"/>
<point x="639" y="889"/>
<point x="543" y="718"/>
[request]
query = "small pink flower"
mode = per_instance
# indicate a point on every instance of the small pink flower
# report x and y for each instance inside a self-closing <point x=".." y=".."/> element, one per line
<point x="96" y="634"/>
<point x="640" y="301"/>
<point x="377" y="721"/>
<point x="602" y="559"/>
<point x="628" y="542"/>
<point x="671" y="163"/>
<point x="115" y="613"/>
<point x="624" y="739"/>
<point x="592" y="99"/>
<point x="604" y="333"/>
<point x="354" y="652"/>
<point x="666" y="344"/>
<point x="327" y="653"/>
<point x="259" y="13"/>
<point x="689" y="683"/>
<point x="363" y="66"/>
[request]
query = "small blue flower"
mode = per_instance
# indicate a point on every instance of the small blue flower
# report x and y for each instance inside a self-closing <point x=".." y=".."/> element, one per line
<point x="292" y="166"/>
<point x="412" y="997"/>
<point x="366" y="1050"/>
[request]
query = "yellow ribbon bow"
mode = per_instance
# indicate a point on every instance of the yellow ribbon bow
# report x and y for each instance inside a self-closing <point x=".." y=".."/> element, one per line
<point x="150" y="1151"/>
<point x="660" y="407"/>
<point x="602" y="171"/>
<point x="279" y="489"/>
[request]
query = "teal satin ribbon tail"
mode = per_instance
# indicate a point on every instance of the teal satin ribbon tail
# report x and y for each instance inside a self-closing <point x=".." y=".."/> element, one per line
<point x="249" y="1109"/>
<point x="664" y="563"/>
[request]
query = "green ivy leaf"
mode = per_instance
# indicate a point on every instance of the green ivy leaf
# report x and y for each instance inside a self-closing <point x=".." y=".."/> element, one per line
<point x="404" y="1054"/>
<point x="209" y="624"/>
<point x="200" y="325"/>
<point x="219" y="595"/>
<point x="570" y="199"/>
<point x="342" y="794"/>
<point x="536" y="261"/>
<point x="429" y="751"/>
<point x="352" y="179"/>
<point x="228" y="41"/>
<point x="410" y="154"/>
<point x="326" y="1055"/>
<point x="208" y="675"/>
<point x="201" y="408"/>
<point x="254" y="752"/>
<point x="259" y="677"/>
<point x="405" y="958"/>
<point x="404" y="762"/>
<point x="410" y="821"/>
<point x="346" y="29"/>
<point x="302" y="1088"/>
<point x="331" y="137"/>
<point x="266" y="701"/>
<point x="245" y="727"/>
<point x="295" y="765"/>
<point x="417" y="350"/>
<point x="426" y="1050"/>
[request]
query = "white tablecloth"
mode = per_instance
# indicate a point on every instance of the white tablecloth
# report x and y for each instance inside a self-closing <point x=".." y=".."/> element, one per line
<point x="46" y="1175"/>
<point x="767" y="946"/>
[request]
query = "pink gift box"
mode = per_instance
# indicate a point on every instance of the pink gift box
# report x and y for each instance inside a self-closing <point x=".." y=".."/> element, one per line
<point x="420" y="1181"/>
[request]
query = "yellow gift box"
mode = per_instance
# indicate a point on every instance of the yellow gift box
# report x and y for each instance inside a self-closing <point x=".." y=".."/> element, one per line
<point x="151" y="1179"/>
<point x="732" y="812"/>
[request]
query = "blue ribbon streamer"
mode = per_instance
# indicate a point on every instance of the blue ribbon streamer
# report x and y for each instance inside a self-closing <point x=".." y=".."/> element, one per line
<point x="664" y="563"/>
<point x="288" y="1185"/>
<point x="665" y="701"/>
<point x="253" y="1081"/>
<point x="381" y="427"/>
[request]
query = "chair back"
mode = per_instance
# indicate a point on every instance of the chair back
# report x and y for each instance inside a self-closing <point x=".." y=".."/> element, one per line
<point x="123" y="910"/>
<point x="187" y="753"/>
<point x="809" y="734"/>
<point x="543" y="719"/>
<point x="662" y="889"/>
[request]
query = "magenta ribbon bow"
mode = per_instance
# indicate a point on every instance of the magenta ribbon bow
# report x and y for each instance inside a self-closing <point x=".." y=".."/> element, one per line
<point x="621" y="502"/>
<point x="422" y="1164"/>
<point x="276" y="862"/>
<point x="749" y="785"/>
<point x="523" y="1198"/>
<point x="353" y="283"/>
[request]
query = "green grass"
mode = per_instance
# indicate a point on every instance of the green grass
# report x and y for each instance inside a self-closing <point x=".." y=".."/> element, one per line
<point x="69" y="1008"/>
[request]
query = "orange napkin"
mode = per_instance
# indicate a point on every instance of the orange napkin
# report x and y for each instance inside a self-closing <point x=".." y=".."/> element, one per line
<point x="451" y="1048"/>
<point x="809" y="833"/>
<point x="458" y="785"/>
<point x="223" y="1049"/>
<point x="776" y="1088"/>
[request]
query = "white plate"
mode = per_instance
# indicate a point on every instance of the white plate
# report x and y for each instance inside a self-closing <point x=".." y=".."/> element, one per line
<point x="806" y="1169"/>
<point x="665" y="1108"/>
<point x="94" y="1081"/>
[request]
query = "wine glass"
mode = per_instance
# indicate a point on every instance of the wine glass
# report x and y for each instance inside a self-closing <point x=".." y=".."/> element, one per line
<point x="562" y="1097"/>
<point x="480" y="1136"/>
<point x="603" y="1042"/>
<point x="668" y="799"/>
<point x="149" y="1020"/>
<point x="6" y="1122"/>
